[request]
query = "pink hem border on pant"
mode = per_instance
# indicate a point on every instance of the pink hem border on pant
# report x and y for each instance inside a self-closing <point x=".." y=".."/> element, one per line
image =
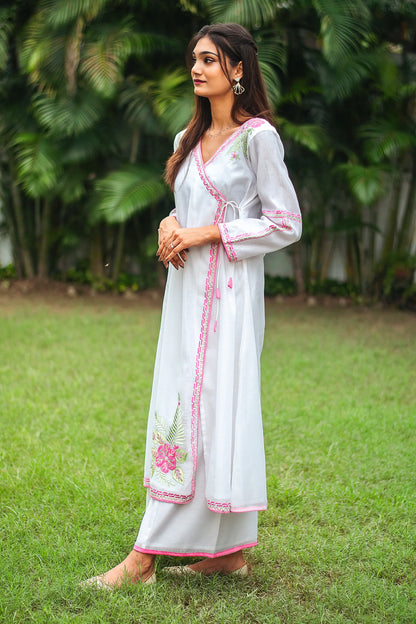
<point x="195" y="554"/>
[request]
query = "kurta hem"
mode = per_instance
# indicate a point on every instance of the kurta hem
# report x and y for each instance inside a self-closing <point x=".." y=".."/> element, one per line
<point x="229" y="551"/>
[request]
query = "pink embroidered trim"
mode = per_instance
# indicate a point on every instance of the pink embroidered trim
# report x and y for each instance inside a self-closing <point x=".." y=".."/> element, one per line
<point x="270" y="228"/>
<point x="291" y="215"/>
<point x="254" y="122"/>
<point x="224" y="508"/>
<point x="226" y="239"/>
<point x="246" y="509"/>
<point x="194" y="554"/>
<point x="168" y="497"/>
<point x="202" y="344"/>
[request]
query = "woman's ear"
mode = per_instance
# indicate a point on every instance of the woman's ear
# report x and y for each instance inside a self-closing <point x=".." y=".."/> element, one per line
<point x="238" y="70"/>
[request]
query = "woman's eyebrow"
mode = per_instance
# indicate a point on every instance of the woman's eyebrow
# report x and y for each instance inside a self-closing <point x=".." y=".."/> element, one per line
<point x="205" y="52"/>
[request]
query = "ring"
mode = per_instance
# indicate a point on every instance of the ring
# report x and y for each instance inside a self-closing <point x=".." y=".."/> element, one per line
<point x="172" y="245"/>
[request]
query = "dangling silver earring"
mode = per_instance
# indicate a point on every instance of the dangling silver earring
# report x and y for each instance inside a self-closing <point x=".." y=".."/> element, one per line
<point x="238" y="88"/>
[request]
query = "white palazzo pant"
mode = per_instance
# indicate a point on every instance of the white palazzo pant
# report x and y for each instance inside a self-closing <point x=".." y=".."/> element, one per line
<point x="192" y="529"/>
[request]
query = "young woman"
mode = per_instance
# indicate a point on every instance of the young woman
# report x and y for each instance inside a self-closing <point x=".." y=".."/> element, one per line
<point x="234" y="202"/>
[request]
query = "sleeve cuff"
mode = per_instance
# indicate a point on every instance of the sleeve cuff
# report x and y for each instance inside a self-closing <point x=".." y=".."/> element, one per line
<point x="226" y="241"/>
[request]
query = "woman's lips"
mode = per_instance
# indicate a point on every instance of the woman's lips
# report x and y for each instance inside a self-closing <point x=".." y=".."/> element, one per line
<point x="198" y="82"/>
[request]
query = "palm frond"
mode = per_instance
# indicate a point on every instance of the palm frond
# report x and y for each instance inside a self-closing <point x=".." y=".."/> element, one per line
<point x="71" y="185"/>
<point x="367" y="183"/>
<point x="140" y="44"/>
<point x="62" y="12"/>
<point x="250" y="13"/>
<point x="385" y="139"/>
<point x="6" y="27"/>
<point x="38" y="163"/>
<point x="159" y="105"/>
<point x="89" y="145"/>
<point x="101" y="68"/>
<point x="311" y="136"/>
<point x="137" y="98"/>
<point x="178" y="113"/>
<point x="127" y="191"/>
<point x="339" y="82"/>
<point x="174" y="100"/>
<point x="273" y="52"/>
<point x="272" y="82"/>
<point x="42" y="53"/>
<point x="344" y="26"/>
<point x="65" y="116"/>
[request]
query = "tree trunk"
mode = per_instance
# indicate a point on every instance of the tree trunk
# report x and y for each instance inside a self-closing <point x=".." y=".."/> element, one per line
<point x="326" y="260"/>
<point x="43" y="259"/>
<point x="23" y="250"/>
<point x="407" y="228"/>
<point x="96" y="252"/>
<point x="391" y="226"/>
<point x="118" y="254"/>
<point x="297" y="268"/>
<point x="73" y="55"/>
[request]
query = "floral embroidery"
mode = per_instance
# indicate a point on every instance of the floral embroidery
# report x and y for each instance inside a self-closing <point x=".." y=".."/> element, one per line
<point x="166" y="451"/>
<point x="240" y="144"/>
<point x="165" y="458"/>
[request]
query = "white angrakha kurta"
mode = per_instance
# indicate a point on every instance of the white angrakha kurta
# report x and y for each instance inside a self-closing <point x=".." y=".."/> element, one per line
<point x="205" y="452"/>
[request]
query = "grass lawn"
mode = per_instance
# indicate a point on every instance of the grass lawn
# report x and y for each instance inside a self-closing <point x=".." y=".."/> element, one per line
<point x="338" y="541"/>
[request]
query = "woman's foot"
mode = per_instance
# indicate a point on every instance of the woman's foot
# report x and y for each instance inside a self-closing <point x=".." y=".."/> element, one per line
<point x="225" y="564"/>
<point x="136" y="568"/>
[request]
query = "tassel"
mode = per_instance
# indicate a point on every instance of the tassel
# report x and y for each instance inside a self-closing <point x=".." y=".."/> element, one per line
<point x="218" y="293"/>
<point x="230" y="283"/>
<point x="215" y="326"/>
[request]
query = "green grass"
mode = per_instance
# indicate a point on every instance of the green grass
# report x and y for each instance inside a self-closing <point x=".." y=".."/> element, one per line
<point x="338" y="541"/>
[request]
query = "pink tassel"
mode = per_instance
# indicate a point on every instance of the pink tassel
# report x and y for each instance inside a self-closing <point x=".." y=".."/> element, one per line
<point x="218" y="293"/>
<point x="215" y="326"/>
<point x="230" y="283"/>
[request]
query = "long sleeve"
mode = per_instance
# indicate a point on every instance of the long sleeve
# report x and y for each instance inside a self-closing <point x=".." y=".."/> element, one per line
<point x="280" y="222"/>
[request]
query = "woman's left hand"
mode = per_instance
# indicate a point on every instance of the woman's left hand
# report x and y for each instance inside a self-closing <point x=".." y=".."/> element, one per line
<point x="181" y="239"/>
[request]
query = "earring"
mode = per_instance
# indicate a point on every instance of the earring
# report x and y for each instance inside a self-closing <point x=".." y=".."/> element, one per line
<point x="238" y="88"/>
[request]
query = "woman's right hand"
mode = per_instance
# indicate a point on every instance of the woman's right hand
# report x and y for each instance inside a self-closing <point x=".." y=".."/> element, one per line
<point x="166" y="227"/>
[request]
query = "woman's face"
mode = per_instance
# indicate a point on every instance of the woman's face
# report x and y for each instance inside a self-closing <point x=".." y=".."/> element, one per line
<point x="207" y="74"/>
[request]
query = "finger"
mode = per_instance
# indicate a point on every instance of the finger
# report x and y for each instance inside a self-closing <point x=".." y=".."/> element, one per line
<point x="163" y="251"/>
<point x="177" y="262"/>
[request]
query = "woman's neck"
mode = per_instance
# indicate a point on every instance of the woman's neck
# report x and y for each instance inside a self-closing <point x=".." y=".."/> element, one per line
<point x="221" y="114"/>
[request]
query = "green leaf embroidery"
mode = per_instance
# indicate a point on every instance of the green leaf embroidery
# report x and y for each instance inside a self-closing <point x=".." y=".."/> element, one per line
<point x="177" y="474"/>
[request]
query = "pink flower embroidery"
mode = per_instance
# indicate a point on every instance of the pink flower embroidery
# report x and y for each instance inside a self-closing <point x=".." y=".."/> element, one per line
<point x="166" y="457"/>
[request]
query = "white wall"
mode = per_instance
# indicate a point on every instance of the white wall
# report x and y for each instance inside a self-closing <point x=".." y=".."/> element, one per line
<point x="5" y="251"/>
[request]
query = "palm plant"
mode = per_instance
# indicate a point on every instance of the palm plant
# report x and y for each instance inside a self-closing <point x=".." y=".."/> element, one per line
<point x="75" y="57"/>
<point x="91" y="102"/>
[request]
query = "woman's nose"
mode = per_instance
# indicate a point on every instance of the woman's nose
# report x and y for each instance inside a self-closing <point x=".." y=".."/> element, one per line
<point x="196" y="69"/>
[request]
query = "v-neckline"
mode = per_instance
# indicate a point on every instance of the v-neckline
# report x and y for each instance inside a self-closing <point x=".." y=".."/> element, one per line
<point x="220" y="147"/>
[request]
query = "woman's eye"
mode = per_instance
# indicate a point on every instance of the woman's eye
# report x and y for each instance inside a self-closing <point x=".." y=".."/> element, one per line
<point x="209" y="60"/>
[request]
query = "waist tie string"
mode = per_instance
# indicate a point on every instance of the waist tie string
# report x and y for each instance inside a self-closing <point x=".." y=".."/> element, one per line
<point x="235" y="214"/>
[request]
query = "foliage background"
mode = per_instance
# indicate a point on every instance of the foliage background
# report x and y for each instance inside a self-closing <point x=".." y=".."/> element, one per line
<point x="93" y="92"/>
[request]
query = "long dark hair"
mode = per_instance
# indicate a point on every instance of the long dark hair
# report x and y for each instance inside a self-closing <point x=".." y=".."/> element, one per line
<point x="234" y="43"/>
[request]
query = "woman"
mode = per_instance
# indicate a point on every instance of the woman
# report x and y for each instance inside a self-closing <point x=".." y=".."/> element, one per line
<point x="234" y="202"/>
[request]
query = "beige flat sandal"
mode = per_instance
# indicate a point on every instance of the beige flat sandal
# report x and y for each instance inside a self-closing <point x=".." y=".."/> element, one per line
<point x="178" y="570"/>
<point x="96" y="582"/>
